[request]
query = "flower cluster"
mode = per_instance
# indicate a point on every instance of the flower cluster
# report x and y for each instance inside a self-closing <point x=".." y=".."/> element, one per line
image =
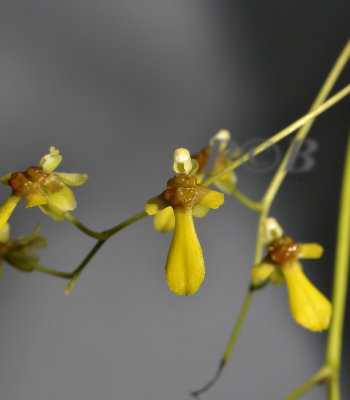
<point x="309" y="307"/>
<point x="41" y="186"/>
<point x="185" y="198"/>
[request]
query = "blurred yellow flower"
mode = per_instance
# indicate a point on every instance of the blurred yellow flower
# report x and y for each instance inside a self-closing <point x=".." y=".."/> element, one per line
<point x="42" y="187"/>
<point x="184" y="198"/>
<point x="226" y="183"/>
<point x="309" y="307"/>
<point x="17" y="252"/>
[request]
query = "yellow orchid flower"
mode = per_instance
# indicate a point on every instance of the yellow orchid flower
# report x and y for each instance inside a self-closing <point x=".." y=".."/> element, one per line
<point x="309" y="307"/>
<point x="17" y="252"/>
<point x="42" y="187"/>
<point x="185" y="264"/>
<point x="164" y="220"/>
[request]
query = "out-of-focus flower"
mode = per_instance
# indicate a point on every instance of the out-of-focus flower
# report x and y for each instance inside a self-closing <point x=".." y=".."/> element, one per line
<point x="309" y="307"/>
<point x="227" y="182"/>
<point x="41" y="186"/>
<point x="18" y="252"/>
<point x="186" y="198"/>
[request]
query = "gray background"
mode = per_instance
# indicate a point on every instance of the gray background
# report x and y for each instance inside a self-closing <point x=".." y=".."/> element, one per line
<point x="117" y="86"/>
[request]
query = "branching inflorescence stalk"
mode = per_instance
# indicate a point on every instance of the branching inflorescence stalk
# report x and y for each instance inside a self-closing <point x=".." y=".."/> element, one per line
<point x="263" y="207"/>
<point x="329" y="372"/>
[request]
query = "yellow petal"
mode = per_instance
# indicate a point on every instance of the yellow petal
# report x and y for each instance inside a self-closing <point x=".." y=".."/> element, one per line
<point x="6" y="209"/>
<point x="200" y="177"/>
<point x="164" y="221"/>
<point x="35" y="199"/>
<point x="309" y="307"/>
<point x="212" y="199"/>
<point x="310" y="250"/>
<point x="71" y="179"/>
<point x="262" y="271"/>
<point x="6" y="178"/>
<point x="277" y="277"/>
<point x="52" y="211"/>
<point x="5" y="233"/>
<point x="199" y="210"/>
<point x="60" y="197"/>
<point x="184" y="268"/>
<point x="195" y="167"/>
<point x="155" y="204"/>
<point x="227" y="183"/>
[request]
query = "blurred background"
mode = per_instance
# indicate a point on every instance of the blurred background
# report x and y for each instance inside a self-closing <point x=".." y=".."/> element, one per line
<point x="117" y="86"/>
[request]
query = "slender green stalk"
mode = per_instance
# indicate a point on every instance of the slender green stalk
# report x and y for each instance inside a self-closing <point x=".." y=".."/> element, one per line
<point x="333" y="388"/>
<point x="238" y="326"/>
<point x="83" y="264"/>
<point x="106" y="235"/>
<point x="48" y="271"/>
<point x="322" y="375"/>
<point x="279" y="136"/>
<point x="232" y="341"/>
<point x="340" y="284"/>
<point x="253" y="205"/>
<point x="64" y="275"/>
<point x="124" y="224"/>
<point x="82" y="227"/>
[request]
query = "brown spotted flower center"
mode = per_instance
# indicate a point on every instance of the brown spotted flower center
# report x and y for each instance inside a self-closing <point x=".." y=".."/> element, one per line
<point x="28" y="182"/>
<point x="183" y="191"/>
<point x="283" y="250"/>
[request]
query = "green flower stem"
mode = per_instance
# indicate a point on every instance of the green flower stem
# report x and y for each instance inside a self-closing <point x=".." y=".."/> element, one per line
<point x="106" y="235"/>
<point x="321" y="376"/>
<point x="279" y="136"/>
<point x="82" y="227"/>
<point x="333" y="387"/>
<point x="83" y="264"/>
<point x="253" y="205"/>
<point x="48" y="271"/>
<point x="124" y="224"/>
<point x="233" y="338"/>
<point x="64" y="275"/>
<point x="340" y="284"/>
